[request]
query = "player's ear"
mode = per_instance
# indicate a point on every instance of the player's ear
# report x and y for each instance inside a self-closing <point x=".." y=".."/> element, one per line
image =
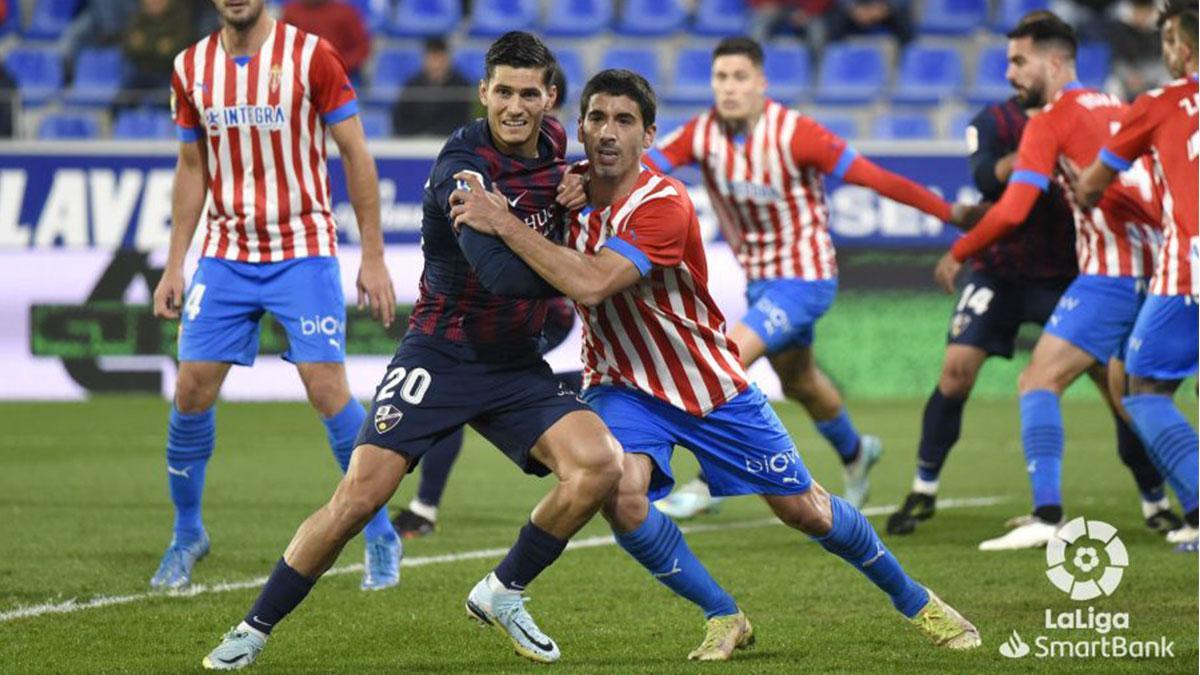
<point x="648" y="136"/>
<point x="483" y="92"/>
<point x="552" y="98"/>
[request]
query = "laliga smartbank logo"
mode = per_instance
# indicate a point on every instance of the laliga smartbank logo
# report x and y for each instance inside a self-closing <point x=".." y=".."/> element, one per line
<point x="1086" y="560"/>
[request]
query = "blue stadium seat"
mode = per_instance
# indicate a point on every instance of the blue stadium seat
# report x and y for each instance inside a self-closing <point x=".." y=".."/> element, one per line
<point x="577" y="18"/>
<point x="928" y="75"/>
<point x="376" y="123"/>
<point x="990" y="84"/>
<point x="692" y="83"/>
<point x="393" y="68"/>
<point x="1092" y="63"/>
<point x="649" y="18"/>
<point x="50" y="18"/>
<point x="425" y="18"/>
<point x="571" y="62"/>
<point x="851" y="74"/>
<point x="469" y="62"/>
<point x="63" y="126"/>
<point x="952" y="17"/>
<point x="842" y="125"/>
<point x="97" y="77"/>
<point x="669" y="122"/>
<point x="902" y="127"/>
<point x="11" y="23"/>
<point x="493" y="18"/>
<point x="144" y="123"/>
<point x="374" y="12"/>
<point x="788" y="72"/>
<point x="1010" y="12"/>
<point x="959" y="124"/>
<point x="721" y="18"/>
<point x="641" y="60"/>
<point x="37" y="71"/>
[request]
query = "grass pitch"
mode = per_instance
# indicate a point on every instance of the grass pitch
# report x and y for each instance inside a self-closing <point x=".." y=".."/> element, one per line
<point x="84" y="515"/>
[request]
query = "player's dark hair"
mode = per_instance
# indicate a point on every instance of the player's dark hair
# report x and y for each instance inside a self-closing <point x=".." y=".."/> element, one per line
<point x="518" y="49"/>
<point x="740" y="45"/>
<point x="1188" y="18"/>
<point x="559" y="79"/>
<point x="621" y="82"/>
<point x="436" y="45"/>
<point x="1047" y="30"/>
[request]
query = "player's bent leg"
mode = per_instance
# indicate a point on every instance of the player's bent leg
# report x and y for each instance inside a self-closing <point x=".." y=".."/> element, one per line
<point x="419" y="518"/>
<point x="191" y="434"/>
<point x="844" y="531"/>
<point x="1172" y="443"/>
<point x="371" y="480"/>
<point x="329" y="393"/>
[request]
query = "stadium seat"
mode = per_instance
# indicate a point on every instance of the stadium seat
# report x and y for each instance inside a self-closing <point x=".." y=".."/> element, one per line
<point x="1092" y="64"/>
<point x="990" y="84"/>
<point x="721" y="18"/>
<point x="493" y="18"/>
<point x="97" y="77"/>
<point x="425" y="18"/>
<point x="851" y="74"/>
<point x="393" y="68"/>
<point x="842" y="125"/>
<point x="571" y="62"/>
<point x="142" y="124"/>
<point x="11" y="23"/>
<point x="638" y="59"/>
<point x="469" y="62"/>
<point x="68" y="126"/>
<point x="902" y="127"/>
<point x="651" y="18"/>
<point x="374" y="12"/>
<point x="959" y="124"/>
<point x="928" y="75"/>
<point x="692" y="83"/>
<point x="952" y="17"/>
<point x="376" y="123"/>
<point x="577" y="18"/>
<point x="1009" y="12"/>
<point x="670" y="121"/>
<point x="788" y="71"/>
<point x="37" y="71"/>
<point x="50" y="18"/>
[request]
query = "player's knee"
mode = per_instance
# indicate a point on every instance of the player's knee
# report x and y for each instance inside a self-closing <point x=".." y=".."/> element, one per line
<point x="194" y="395"/>
<point x="811" y="512"/>
<point x="627" y="507"/>
<point x="1036" y="378"/>
<point x="957" y="380"/>
<point x="327" y="395"/>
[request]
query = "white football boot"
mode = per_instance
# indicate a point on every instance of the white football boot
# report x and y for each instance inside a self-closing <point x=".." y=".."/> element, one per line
<point x="689" y="500"/>
<point x="491" y="604"/>
<point x="1027" y="532"/>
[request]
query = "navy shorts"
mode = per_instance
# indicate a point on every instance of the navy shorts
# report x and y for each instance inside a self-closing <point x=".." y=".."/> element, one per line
<point x="991" y="309"/>
<point x="433" y="387"/>
<point x="1097" y="314"/>
<point x="1164" y="339"/>
<point x="783" y="312"/>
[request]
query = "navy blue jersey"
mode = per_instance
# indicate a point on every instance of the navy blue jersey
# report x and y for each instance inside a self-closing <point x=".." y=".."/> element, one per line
<point x="474" y="290"/>
<point x="1044" y="246"/>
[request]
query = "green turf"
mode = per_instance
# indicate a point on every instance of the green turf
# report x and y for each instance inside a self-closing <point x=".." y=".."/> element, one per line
<point x="84" y="513"/>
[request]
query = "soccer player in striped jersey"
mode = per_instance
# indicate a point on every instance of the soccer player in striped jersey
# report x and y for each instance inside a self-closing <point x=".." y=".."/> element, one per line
<point x="254" y="103"/>
<point x="1165" y="125"/>
<point x="764" y="168"/>
<point x="470" y="356"/>
<point x="661" y="372"/>
<point x="1115" y="243"/>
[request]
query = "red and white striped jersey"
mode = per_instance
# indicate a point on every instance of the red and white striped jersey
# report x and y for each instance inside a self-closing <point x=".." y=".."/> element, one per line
<point x="1164" y="124"/>
<point x="768" y="187"/>
<point x="263" y="121"/>
<point x="664" y="335"/>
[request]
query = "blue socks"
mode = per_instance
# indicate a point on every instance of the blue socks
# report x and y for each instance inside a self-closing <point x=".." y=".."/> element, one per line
<point x="342" y="430"/>
<point x="285" y="590"/>
<point x="940" y="428"/>
<point x="1171" y="441"/>
<point x="190" y="440"/>
<point x="1133" y="455"/>
<point x="842" y="435"/>
<point x="659" y="546"/>
<point x="534" y="551"/>
<point x="1042" y="438"/>
<point x="854" y="540"/>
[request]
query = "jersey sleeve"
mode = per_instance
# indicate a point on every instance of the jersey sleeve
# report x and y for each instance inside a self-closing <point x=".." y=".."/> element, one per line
<point x="330" y="87"/>
<point x="442" y="181"/>
<point x="183" y="111"/>
<point x="675" y="149"/>
<point x="1134" y="137"/>
<point x="656" y="233"/>
<point x="1037" y="155"/>
<point x="814" y="145"/>
<point x="983" y="144"/>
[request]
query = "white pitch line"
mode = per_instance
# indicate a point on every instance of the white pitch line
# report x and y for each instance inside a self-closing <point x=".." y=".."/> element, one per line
<point x="73" y="605"/>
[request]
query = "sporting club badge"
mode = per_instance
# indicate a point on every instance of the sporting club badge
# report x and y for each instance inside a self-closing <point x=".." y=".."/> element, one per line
<point x="386" y="418"/>
<point x="274" y="78"/>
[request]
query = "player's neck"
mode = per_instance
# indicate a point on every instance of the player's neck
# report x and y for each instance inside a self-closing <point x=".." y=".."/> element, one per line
<point x="604" y="192"/>
<point x="247" y="41"/>
<point x="1061" y="84"/>
<point x="527" y="150"/>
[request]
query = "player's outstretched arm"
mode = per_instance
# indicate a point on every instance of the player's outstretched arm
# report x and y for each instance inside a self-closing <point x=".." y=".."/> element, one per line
<point x="866" y="173"/>
<point x="362" y="181"/>
<point x="187" y="203"/>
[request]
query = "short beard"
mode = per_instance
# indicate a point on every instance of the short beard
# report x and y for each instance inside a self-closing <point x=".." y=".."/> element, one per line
<point x="244" y="23"/>
<point x="1031" y="98"/>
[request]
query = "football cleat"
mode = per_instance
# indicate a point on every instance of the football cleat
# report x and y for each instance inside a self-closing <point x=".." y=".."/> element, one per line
<point x="944" y="626"/>
<point x="916" y="507"/>
<point x="689" y="501"/>
<point x="491" y="604"/>
<point x="1184" y="535"/>
<point x="858" y="484"/>
<point x="382" y="567"/>
<point x="238" y="649"/>
<point x="723" y="635"/>
<point x="175" y="570"/>
<point x="1027" y="532"/>
<point x="410" y="525"/>
<point x="1164" y="521"/>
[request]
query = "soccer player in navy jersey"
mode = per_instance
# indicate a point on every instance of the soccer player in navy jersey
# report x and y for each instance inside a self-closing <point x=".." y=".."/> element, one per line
<point x="470" y="356"/>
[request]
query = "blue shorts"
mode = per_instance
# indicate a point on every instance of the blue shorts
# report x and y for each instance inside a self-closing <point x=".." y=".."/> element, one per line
<point x="227" y="299"/>
<point x="1097" y="314"/>
<point x="742" y="446"/>
<point x="991" y="309"/>
<point x="783" y="311"/>
<point x="1163" y="343"/>
<point x="433" y="387"/>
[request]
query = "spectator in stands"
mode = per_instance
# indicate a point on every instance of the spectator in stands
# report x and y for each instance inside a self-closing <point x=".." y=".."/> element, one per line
<point x="859" y="17"/>
<point x="158" y="31"/>
<point x="803" y="18"/>
<point x="8" y="95"/>
<point x="435" y="101"/>
<point x="337" y="22"/>
<point x="100" y="23"/>
<point x="1133" y="35"/>
<point x="1089" y="18"/>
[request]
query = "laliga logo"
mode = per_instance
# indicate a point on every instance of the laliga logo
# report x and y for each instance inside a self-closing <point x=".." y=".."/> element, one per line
<point x="1082" y="585"/>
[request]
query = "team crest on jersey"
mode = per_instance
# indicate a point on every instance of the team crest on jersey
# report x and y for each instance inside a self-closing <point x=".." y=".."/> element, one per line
<point x="275" y="77"/>
<point x="959" y="324"/>
<point x="386" y="418"/>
